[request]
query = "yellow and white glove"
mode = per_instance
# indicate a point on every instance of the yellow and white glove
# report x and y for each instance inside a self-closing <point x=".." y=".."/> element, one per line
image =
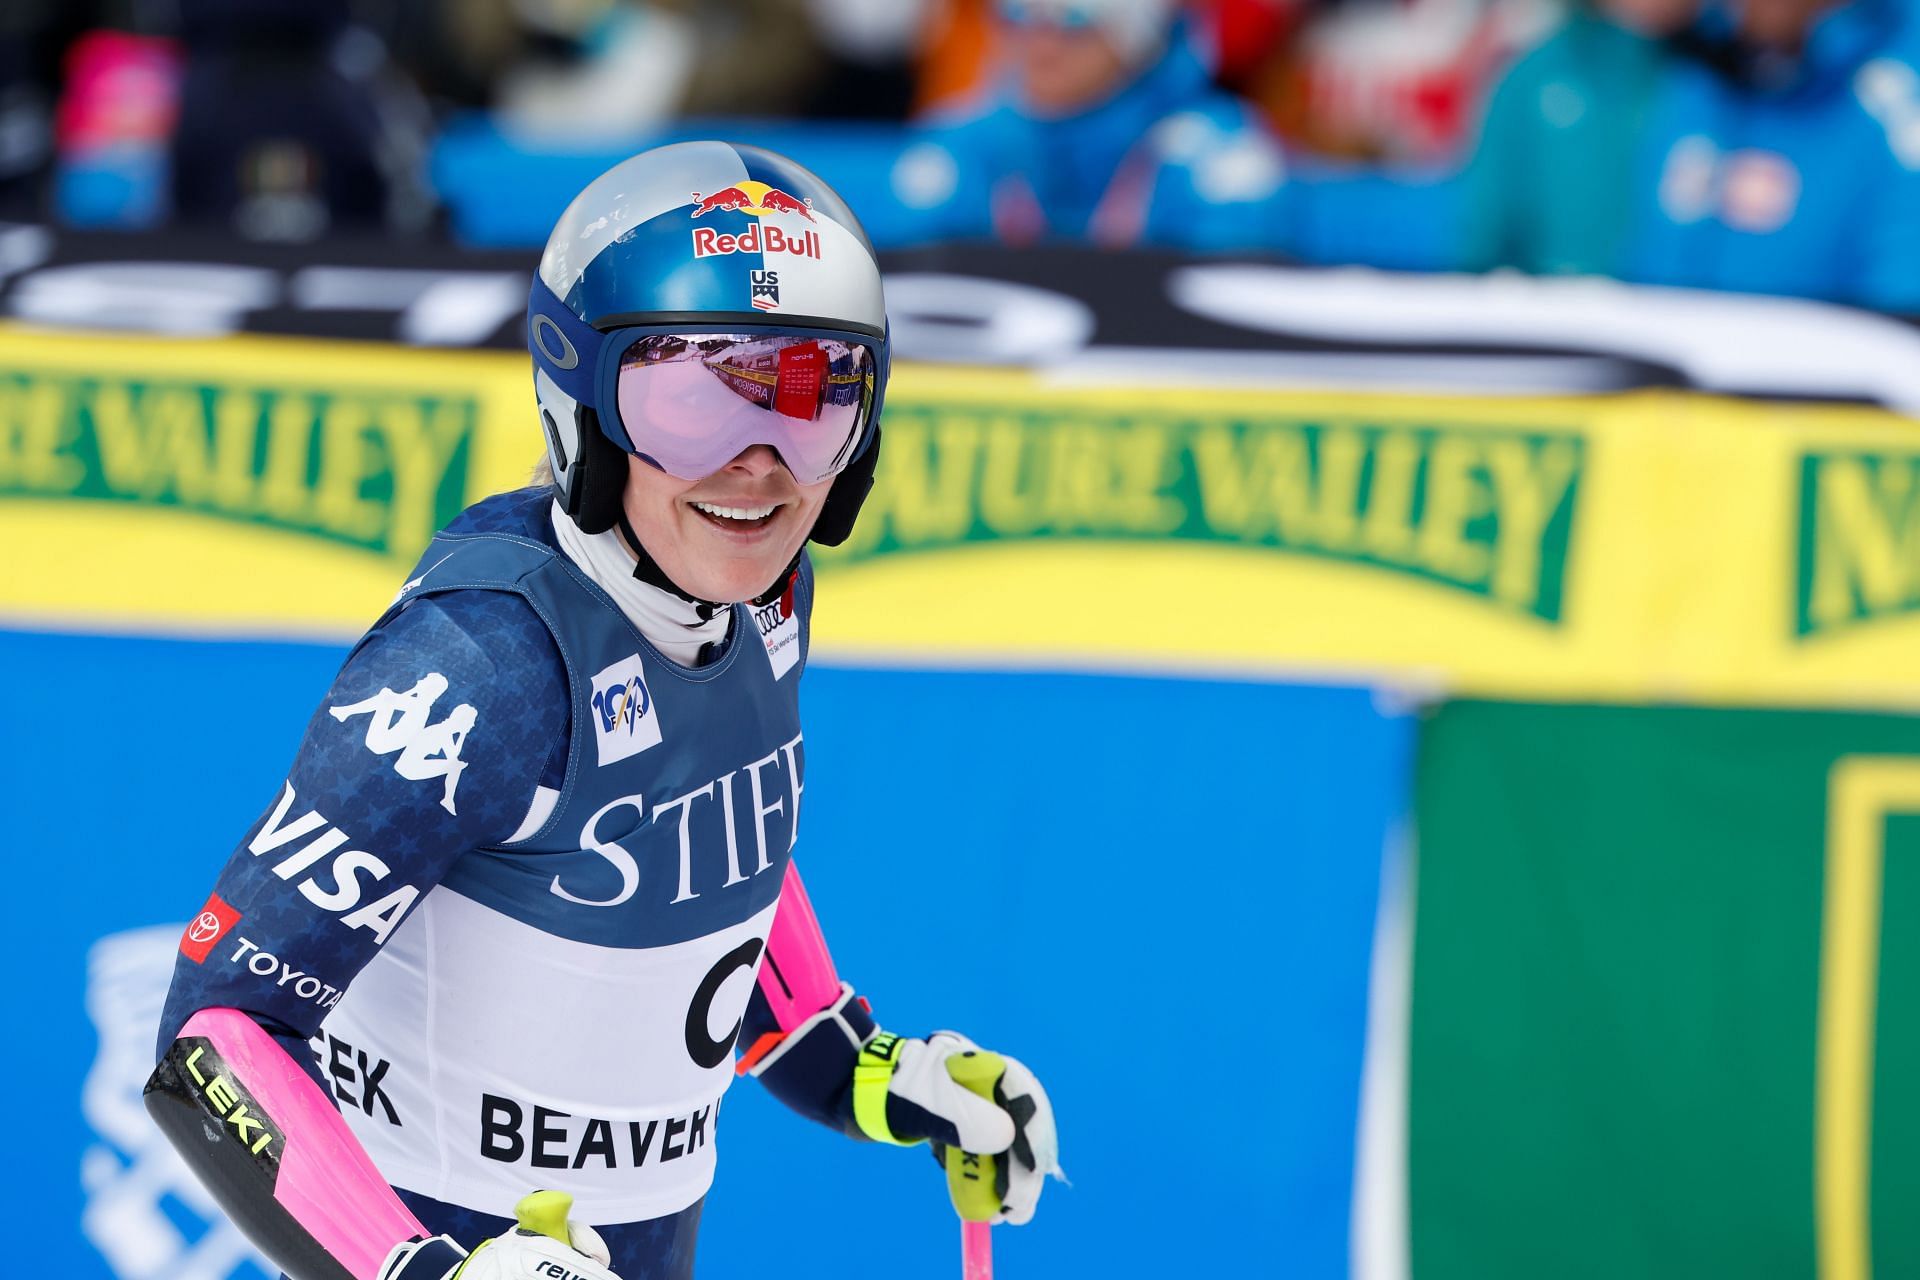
<point x="544" y="1243"/>
<point x="986" y="1115"/>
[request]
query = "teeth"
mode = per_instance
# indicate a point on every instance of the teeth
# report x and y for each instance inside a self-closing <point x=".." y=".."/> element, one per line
<point x="737" y="513"/>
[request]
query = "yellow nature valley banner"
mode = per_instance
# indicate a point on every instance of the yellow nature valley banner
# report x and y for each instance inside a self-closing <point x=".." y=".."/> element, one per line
<point x="1646" y="545"/>
<point x="253" y="484"/>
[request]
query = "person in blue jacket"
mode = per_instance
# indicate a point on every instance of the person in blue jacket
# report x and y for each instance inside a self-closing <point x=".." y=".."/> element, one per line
<point x="1790" y="163"/>
<point x="1550" y="188"/>
<point x="1773" y="146"/>
<point x="1101" y="127"/>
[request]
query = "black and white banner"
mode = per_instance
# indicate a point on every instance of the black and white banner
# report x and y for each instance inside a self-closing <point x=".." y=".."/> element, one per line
<point x="1074" y="314"/>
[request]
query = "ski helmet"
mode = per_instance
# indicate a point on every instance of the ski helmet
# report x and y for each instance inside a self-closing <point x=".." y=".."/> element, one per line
<point x="694" y="300"/>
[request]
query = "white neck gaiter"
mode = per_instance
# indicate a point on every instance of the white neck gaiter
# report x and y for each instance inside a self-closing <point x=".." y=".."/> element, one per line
<point x="673" y="625"/>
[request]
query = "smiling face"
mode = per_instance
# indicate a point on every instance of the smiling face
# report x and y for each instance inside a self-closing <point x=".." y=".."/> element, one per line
<point x="1062" y="71"/>
<point x="728" y="536"/>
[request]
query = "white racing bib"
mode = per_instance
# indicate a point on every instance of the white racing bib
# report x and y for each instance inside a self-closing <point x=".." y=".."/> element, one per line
<point x="534" y="1061"/>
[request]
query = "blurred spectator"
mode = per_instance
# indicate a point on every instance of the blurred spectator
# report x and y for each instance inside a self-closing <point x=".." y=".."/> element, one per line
<point x="573" y="74"/>
<point x="1101" y="124"/>
<point x="871" y="49"/>
<point x="118" y="110"/>
<point x="1772" y="146"/>
<point x="609" y="69"/>
<point x="1552" y="187"/>
<point x="1395" y="80"/>
<point x="292" y="124"/>
<point x="1245" y="34"/>
<point x="32" y="34"/>
<point x="956" y="53"/>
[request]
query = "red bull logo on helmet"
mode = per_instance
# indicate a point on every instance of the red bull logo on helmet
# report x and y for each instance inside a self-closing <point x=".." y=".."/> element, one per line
<point x="760" y="200"/>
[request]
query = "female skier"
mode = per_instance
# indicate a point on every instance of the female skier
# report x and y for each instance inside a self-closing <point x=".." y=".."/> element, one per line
<point x="527" y="886"/>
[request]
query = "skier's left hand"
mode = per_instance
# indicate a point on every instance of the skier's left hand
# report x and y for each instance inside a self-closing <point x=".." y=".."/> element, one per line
<point x="543" y="1243"/>
<point x="987" y="1116"/>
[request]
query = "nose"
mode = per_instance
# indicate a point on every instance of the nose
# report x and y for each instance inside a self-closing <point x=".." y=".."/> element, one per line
<point x="756" y="460"/>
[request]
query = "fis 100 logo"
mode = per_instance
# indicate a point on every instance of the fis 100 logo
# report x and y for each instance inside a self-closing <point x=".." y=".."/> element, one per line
<point x="622" y="707"/>
<point x="625" y="721"/>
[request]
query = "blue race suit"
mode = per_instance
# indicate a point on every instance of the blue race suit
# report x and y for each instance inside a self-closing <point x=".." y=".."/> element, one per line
<point x="503" y="999"/>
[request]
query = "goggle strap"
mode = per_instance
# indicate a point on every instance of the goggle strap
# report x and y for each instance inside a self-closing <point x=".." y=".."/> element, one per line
<point x="566" y="347"/>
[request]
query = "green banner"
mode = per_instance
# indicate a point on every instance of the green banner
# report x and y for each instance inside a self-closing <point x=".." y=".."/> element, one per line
<point x="1666" y="995"/>
<point x="374" y="468"/>
<point x="1488" y="510"/>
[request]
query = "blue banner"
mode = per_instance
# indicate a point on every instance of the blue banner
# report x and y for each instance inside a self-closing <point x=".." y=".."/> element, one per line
<point x="1158" y="893"/>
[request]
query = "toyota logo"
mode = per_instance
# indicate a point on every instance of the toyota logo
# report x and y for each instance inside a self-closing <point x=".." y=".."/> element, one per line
<point x="205" y="928"/>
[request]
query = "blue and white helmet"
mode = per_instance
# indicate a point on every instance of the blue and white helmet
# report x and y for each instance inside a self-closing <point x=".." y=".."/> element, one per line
<point x="687" y="241"/>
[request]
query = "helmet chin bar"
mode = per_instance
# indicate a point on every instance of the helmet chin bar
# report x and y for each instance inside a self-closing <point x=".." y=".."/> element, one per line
<point x="600" y="478"/>
<point x="646" y="569"/>
<point x="560" y="425"/>
<point x="849" y="491"/>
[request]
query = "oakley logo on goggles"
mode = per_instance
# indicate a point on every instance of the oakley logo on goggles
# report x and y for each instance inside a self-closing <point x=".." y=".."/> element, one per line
<point x="692" y="403"/>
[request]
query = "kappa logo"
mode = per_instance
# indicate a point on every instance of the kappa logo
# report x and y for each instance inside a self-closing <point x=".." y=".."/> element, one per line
<point x="625" y="721"/>
<point x="207" y="928"/>
<point x="398" y="722"/>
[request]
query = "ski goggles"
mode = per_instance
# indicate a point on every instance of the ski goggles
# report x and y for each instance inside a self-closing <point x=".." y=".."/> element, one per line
<point x="690" y="403"/>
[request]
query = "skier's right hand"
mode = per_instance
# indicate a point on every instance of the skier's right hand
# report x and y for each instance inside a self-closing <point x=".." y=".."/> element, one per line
<point x="544" y="1235"/>
<point x="988" y="1118"/>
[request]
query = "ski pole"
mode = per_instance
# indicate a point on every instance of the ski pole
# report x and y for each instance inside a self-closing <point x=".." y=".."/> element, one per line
<point x="976" y="1251"/>
<point x="970" y="1178"/>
